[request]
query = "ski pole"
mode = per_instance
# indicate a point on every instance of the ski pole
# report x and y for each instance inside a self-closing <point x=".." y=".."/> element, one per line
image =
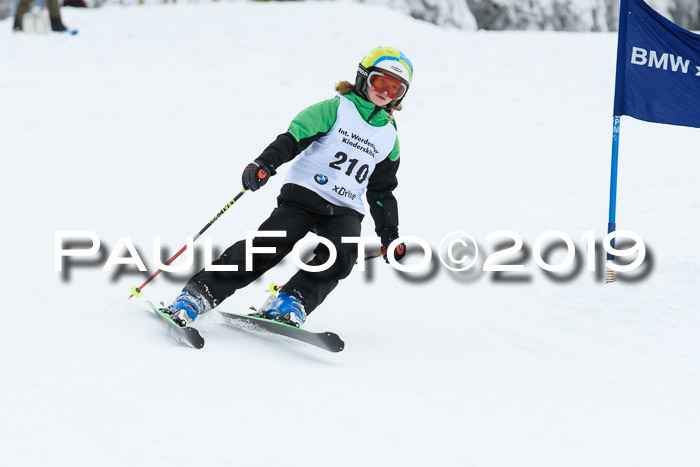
<point x="372" y="256"/>
<point x="136" y="291"/>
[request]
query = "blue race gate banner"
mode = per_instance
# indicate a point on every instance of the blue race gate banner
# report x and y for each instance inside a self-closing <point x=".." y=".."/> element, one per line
<point x="658" y="68"/>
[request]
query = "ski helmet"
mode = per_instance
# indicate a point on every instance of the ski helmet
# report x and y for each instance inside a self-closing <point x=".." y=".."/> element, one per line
<point x="388" y="59"/>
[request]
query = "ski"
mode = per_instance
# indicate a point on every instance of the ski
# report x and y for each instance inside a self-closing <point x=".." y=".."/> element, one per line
<point x="325" y="340"/>
<point x="187" y="335"/>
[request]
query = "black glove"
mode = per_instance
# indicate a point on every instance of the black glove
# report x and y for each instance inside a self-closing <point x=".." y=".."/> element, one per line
<point x="399" y="251"/>
<point x="255" y="175"/>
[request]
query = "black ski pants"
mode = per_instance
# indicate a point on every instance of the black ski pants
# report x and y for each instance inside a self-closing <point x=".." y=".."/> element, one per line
<point x="311" y="288"/>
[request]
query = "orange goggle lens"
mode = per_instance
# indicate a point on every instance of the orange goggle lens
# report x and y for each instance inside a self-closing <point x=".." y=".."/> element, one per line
<point x="381" y="82"/>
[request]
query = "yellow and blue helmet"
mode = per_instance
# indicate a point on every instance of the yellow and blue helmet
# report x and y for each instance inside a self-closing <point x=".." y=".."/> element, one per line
<point x="388" y="59"/>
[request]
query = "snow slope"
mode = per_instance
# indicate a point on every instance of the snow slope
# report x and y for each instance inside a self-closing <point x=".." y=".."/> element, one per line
<point x="140" y="126"/>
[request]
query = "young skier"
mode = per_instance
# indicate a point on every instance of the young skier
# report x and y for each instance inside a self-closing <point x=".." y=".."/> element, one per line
<point x="341" y="148"/>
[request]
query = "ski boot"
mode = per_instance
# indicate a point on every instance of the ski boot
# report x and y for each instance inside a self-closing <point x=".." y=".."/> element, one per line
<point x="185" y="309"/>
<point x="58" y="26"/>
<point x="285" y="309"/>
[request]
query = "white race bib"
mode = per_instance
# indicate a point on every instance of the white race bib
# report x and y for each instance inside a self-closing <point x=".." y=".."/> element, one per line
<point x="338" y="165"/>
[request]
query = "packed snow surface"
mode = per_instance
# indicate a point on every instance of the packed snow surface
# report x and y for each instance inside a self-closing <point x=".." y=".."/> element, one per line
<point x="141" y="125"/>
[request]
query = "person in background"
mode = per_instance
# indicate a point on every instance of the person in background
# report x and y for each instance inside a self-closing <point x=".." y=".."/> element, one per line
<point x="57" y="25"/>
<point x="75" y="3"/>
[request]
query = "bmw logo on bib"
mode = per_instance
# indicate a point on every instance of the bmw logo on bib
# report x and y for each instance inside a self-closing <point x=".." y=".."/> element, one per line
<point x="321" y="179"/>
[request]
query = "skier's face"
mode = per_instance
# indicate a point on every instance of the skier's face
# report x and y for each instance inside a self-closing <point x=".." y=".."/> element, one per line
<point x="378" y="98"/>
<point x="381" y="84"/>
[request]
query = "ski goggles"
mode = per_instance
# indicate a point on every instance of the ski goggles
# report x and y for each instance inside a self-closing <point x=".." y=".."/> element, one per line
<point x="381" y="82"/>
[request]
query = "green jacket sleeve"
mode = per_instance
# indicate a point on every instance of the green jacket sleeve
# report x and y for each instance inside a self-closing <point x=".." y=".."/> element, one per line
<point x="316" y="120"/>
<point x="308" y="126"/>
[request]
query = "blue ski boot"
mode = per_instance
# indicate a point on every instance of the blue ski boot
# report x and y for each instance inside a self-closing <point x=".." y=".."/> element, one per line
<point x="285" y="309"/>
<point x="184" y="309"/>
